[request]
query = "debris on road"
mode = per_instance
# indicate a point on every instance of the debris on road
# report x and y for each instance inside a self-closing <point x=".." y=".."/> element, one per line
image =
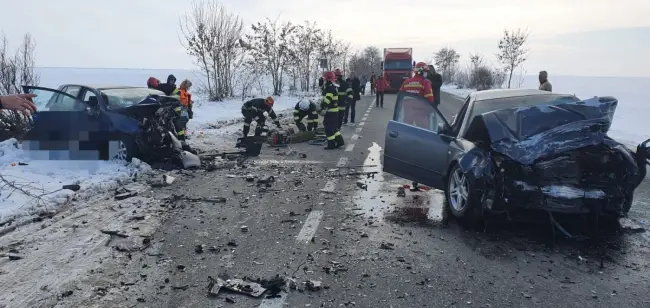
<point x="362" y="185"/>
<point x="114" y="233"/>
<point x="244" y="228"/>
<point x="198" y="249"/>
<point x="387" y="246"/>
<point x="12" y="257"/>
<point x="313" y="285"/>
<point x="236" y="285"/>
<point x="401" y="192"/>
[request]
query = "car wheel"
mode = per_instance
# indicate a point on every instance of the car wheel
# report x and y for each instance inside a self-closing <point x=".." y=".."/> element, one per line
<point x="461" y="198"/>
<point x="126" y="150"/>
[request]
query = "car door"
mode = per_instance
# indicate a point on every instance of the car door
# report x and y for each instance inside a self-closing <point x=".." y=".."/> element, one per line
<point x="415" y="149"/>
<point x="61" y="127"/>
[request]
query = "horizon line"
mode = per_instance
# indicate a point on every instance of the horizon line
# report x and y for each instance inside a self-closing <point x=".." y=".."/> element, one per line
<point x="190" y="70"/>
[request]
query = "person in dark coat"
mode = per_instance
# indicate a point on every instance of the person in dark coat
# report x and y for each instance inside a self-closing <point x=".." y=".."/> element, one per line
<point x="436" y="83"/>
<point x="352" y="105"/>
<point x="372" y="83"/>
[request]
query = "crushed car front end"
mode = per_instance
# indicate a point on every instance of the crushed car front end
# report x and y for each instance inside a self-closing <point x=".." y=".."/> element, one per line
<point x="556" y="159"/>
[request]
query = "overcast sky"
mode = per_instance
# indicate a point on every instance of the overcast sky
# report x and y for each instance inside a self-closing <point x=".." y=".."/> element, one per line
<point x="567" y="37"/>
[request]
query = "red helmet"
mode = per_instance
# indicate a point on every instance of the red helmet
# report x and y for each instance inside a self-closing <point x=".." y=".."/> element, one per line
<point x="338" y="72"/>
<point x="269" y="101"/>
<point x="329" y="76"/>
<point x="152" y="82"/>
<point x="421" y="67"/>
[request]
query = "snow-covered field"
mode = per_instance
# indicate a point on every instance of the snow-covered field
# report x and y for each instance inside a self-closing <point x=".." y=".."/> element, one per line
<point x="629" y="125"/>
<point x="31" y="187"/>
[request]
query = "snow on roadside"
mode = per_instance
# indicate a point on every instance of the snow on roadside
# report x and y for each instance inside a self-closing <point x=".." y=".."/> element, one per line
<point x="453" y="90"/>
<point x="215" y="124"/>
<point x="31" y="187"/>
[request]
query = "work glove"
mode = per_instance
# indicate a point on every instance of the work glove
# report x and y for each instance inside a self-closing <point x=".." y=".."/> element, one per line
<point x="190" y="113"/>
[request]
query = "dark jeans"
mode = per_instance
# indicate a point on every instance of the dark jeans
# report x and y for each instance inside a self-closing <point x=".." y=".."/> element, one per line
<point x="372" y="90"/>
<point x="436" y="96"/>
<point x="351" y="111"/>
<point x="379" y="101"/>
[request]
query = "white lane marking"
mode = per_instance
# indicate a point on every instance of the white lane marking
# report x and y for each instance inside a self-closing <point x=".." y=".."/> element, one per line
<point x="354" y="137"/>
<point x="276" y="302"/>
<point x="309" y="228"/>
<point x="342" y="161"/>
<point x="330" y="186"/>
<point x="364" y="118"/>
<point x="349" y="147"/>
<point x="359" y="129"/>
<point x="287" y="161"/>
<point x="366" y="115"/>
<point x="362" y="123"/>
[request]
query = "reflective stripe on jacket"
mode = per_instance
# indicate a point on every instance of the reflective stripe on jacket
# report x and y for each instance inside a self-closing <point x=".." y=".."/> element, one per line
<point x="418" y="85"/>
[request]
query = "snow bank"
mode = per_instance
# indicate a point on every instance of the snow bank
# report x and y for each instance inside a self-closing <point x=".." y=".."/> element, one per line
<point x="30" y="187"/>
<point x="629" y="124"/>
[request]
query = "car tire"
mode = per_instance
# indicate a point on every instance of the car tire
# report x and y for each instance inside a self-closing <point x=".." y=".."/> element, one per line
<point x="462" y="201"/>
<point x="127" y="149"/>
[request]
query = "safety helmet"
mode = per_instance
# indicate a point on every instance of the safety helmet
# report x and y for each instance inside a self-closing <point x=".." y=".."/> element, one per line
<point x="269" y="101"/>
<point x="338" y="72"/>
<point x="420" y="67"/>
<point x="152" y="82"/>
<point x="329" y="76"/>
<point x="304" y="105"/>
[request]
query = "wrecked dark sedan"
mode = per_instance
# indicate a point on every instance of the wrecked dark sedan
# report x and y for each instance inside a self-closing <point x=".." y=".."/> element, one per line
<point x="78" y="122"/>
<point x="516" y="149"/>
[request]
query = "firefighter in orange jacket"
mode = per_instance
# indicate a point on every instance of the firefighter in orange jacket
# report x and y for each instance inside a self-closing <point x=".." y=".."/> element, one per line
<point x="185" y="110"/>
<point x="418" y="84"/>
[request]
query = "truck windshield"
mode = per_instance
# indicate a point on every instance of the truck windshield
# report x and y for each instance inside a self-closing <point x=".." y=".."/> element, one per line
<point x="397" y="65"/>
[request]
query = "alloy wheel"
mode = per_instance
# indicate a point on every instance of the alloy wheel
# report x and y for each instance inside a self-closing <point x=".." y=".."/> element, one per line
<point x="458" y="190"/>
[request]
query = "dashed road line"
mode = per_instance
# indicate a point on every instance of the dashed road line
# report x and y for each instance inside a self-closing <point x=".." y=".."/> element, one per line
<point x="358" y="130"/>
<point x="330" y="186"/>
<point x="342" y="161"/>
<point x="276" y="302"/>
<point x="309" y="228"/>
<point x="349" y="147"/>
<point x="364" y="118"/>
<point x="362" y="123"/>
<point x="354" y="137"/>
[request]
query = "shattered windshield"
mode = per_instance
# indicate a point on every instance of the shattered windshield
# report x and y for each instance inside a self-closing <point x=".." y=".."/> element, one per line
<point x="126" y="97"/>
<point x="481" y="107"/>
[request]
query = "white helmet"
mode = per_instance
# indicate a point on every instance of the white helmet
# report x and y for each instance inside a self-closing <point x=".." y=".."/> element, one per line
<point x="304" y="105"/>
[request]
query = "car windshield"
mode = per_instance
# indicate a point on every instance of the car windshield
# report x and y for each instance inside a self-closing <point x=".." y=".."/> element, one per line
<point x="397" y="65"/>
<point x="126" y="97"/>
<point x="481" y="107"/>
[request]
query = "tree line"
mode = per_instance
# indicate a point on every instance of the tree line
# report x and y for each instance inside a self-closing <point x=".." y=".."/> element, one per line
<point x="235" y="61"/>
<point x="512" y="53"/>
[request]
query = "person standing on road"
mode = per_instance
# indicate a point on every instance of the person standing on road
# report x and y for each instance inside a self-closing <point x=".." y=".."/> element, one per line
<point x="544" y="84"/>
<point x="418" y="84"/>
<point x="330" y="108"/>
<point x="372" y="83"/>
<point x="345" y="96"/>
<point x="254" y="110"/>
<point x="321" y="85"/>
<point x="352" y="106"/>
<point x="364" y="82"/>
<point x="380" y="86"/>
<point x="305" y="109"/>
<point x="436" y="84"/>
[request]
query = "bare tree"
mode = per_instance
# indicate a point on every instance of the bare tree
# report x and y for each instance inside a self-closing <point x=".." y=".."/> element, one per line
<point x="334" y="51"/>
<point x="269" y="46"/>
<point x="16" y="71"/>
<point x="446" y="61"/>
<point x="512" y="52"/>
<point x="211" y="35"/>
<point x="476" y="59"/>
<point x="365" y="62"/>
<point x="305" y="48"/>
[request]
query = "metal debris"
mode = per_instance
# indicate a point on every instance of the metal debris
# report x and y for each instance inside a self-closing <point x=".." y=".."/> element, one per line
<point x="236" y="285"/>
<point x="313" y="285"/>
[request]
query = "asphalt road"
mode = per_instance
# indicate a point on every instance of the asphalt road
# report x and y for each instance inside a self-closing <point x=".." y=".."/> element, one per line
<point x="368" y="247"/>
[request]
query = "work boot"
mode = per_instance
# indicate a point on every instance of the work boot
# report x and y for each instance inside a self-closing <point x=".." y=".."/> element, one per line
<point x="331" y="145"/>
<point x="339" y="141"/>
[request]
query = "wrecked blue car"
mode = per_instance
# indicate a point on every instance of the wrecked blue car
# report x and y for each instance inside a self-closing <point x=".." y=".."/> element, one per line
<point x="516" y="149"/>
<point x="78" y="122"/>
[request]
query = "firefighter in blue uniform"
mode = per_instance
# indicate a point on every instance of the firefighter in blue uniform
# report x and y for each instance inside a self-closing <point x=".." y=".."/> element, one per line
<point x="306" y="109"/>
<point x="345" y="95"/>
<point x="330" y="107"/>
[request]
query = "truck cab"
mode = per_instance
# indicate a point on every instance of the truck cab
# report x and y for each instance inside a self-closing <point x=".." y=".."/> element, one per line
<point x="397" y="67"/>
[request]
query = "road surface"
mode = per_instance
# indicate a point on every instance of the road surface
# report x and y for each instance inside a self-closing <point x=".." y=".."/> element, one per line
<point x="368" y="247"/>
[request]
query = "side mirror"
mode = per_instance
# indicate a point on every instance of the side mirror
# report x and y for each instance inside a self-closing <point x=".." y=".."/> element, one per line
<point x="442" y="128"/>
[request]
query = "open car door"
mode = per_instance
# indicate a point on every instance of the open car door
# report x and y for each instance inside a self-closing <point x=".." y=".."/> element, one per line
<point x="63" y="127"/>
<point x="414" y="149"/>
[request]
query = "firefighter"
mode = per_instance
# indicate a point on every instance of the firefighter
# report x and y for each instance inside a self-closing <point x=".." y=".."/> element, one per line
<point x="346" y="96"/>
<point x="254" y="110"/>
<point x="306" y="109"/>
<point x="418" y="84"/>
<point x="329" y="106"/>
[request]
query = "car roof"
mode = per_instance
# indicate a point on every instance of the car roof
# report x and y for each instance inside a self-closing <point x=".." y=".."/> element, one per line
<point x="102" y="86"/>
<point x="506" y="93"/>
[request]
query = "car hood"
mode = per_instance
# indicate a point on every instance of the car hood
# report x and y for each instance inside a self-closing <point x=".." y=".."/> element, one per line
<point x="526" y="134"/>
